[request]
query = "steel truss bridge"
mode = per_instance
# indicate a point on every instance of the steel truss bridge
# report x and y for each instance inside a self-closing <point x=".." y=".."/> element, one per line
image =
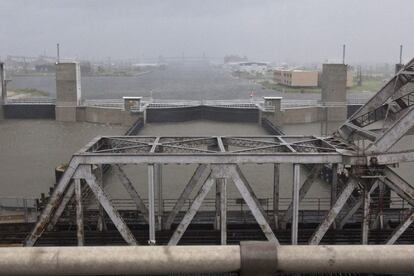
<point x="366" y="154"/>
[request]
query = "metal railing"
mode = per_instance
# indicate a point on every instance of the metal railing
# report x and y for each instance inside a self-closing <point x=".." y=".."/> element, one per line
<point x="14" y="209"/>
<point x="34" y="100"/>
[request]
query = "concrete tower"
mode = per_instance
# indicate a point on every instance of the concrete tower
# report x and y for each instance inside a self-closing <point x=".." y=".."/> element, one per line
<point x="68" y="91"/>
<point x="3" y="89"/>
<point x="334" y="109"/>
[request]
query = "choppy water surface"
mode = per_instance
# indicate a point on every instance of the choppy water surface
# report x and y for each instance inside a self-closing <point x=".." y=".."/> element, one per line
<point x="189" y="82"/>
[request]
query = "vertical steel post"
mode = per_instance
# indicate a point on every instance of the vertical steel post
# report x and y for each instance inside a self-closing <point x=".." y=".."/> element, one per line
<point x="160" y="198"/>
<point x="3" y="83"/>
<point x="334" y="187"/>
<point x="276" y="176"/>
<point x="79" y="213"/>
<point x="365" y="218"/>
<point x="151" y="204"/>
<point x="101" y="225"/>
<point x="222" y="185"/>
<point x="295" y="201"/>
<point x="218" y="205"/>
<point x="381" y="186"/>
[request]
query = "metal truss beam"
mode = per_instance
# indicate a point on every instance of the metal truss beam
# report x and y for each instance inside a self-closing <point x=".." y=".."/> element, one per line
<point x="188" y="217"/>
<point x="276" y="184"/>
<point x="192" y="183"/>
<point x="221" y="158"/>
<point x="295" y="204"/>
<point x="151" y="203"/>
<point x="109" y="208"/>
<point x="355" y="208"/>
<point x="399" y="185"/>
<point x="251" y="200"/>
<point x="400" y="229"/>
<point x="393" y="157"/>
<point x="139" y="203"/>
<point x="314" y="173"/>
<point x="80" y="232"/>
<point x="222" y="185"/>
<point x="65" y="200"/>
<point x="330" y="217"/>
<point x="230" y="172"/>
<point x="54" y="202"/>
<point x="394" y="133"/>
<point x="366" y="215"/>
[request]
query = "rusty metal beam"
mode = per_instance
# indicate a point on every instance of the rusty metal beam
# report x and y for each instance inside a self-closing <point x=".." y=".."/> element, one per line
<point x="65" y="200"/>
<point x="80" y="231"/>
<point x="53" y="203"/>
<point x="276" y="184"/>
<point x="330" y="217"/>
<point x="109" y="208"/>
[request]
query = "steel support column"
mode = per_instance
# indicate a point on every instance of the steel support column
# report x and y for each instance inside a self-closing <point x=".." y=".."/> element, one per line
<point x="101" y="225"/>
<point x="276" y="181"/>
<point x="79" y="213"/>
<point x="223" y="209"/>
<point x="217" y="205"/>
<point x="194" y="180"/>
<point x="160" y="198"/>
<point x="366" y="215"/>
<point x="302" y="192"/>
<point x="295" y="203"/>
<point x="334" y="184"/>
<point x="151" y="204"/>
<point x="330" y="217"/>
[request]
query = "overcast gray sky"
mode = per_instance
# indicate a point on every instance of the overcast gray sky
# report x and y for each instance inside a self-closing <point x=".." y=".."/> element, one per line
<point x="271" y="30"/>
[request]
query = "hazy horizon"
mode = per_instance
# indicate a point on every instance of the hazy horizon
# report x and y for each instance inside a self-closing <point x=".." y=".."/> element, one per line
<point x="279" y="30"/>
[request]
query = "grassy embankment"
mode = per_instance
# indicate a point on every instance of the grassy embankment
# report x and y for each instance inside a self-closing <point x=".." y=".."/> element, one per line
<point x="26" y="93"/>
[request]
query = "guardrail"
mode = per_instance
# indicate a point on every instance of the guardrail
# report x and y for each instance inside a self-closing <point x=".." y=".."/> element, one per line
<point x="40" y="100"/>
<point x="159" y="103"/>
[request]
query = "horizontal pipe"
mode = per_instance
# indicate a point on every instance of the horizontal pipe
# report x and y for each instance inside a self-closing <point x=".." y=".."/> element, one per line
<point x="346" y="258"/>
<point x="135" y="260"/>
<point x="118" y="260"/>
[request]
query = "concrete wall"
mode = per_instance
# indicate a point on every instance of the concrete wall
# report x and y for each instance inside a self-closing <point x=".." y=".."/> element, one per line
<point x="304" y="79"/>
<point x="202" y="113"/>
<point x="301" y="115"/>
<point x="29" y="111"/>
<point x="333" y="82"/>
<point x="104" y="115"/>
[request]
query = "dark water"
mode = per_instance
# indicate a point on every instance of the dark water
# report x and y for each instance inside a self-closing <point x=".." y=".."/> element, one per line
<point x="186" y="82"/>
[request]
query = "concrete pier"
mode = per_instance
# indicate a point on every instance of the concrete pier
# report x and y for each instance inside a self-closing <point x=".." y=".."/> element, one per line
<point x="333" y="98"/>
<point x="3" y="90"/>
<point x="68" y="91"/>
